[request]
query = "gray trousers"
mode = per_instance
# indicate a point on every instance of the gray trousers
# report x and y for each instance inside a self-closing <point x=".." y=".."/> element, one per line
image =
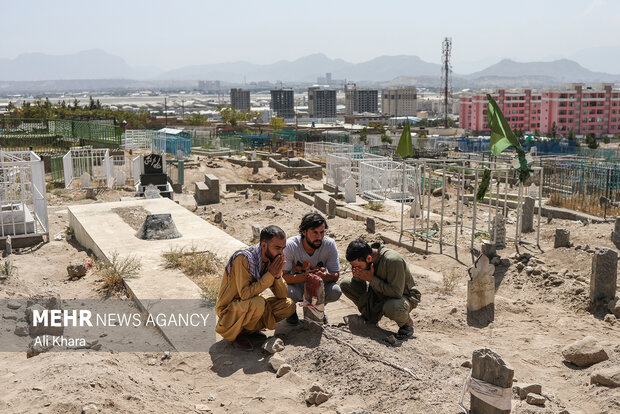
<point x="332" y="291"/>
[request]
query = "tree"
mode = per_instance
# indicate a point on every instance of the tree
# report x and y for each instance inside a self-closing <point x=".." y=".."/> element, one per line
<point x="571" y="135"/>
<point x="606" y="139"/>
<point x="591" y="141"/>
<point x="378" y="127"/>
<point x="277" y="123"/>
<point x="554" y="131"/>
<point x="364" y="136"/>
<point x="536" y="133"/>
<point x="385" y="138"/>
<point x="519" y="133"/>
<point x="196" y="120"/>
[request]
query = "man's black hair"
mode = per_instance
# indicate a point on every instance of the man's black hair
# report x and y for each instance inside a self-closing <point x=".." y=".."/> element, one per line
<point x="312" y="221"/>
<point x="358" y="250"/>
<point x="270" y="232"/>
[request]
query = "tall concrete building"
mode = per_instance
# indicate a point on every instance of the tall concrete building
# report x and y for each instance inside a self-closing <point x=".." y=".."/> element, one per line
<point x="359" y="101"/>
<point x="585" y="110"/>
<point x="240" y="99"/>
<point x="283" y="103"/>
<point x="321" y="103"/>
<point x="402" y="101"/>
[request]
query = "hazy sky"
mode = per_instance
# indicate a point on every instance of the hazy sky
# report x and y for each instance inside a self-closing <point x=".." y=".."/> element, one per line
<point x="170" y="34"/>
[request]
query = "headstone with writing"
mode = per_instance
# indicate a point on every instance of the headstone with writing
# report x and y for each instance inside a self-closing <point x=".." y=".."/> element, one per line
<point x="155" y="175"/>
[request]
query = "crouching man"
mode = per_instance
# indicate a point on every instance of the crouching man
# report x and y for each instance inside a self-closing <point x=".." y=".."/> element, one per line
<point x="240" y="307"/>
<point x="382" y="285"/>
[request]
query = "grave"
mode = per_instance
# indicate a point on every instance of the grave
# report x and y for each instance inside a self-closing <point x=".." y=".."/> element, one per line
<point x="527" y="215"/>
<point x="562" y="238"/>
<point x="604" y="278"/>
<point x="481" y="293"/>
<point x="350" y="190"/>
<point x="297" y="166"/>
<point x="498" y="231"/>
<point x="492" y="395"/>
<point x="98" y="228"/>
<point x="158" y="227"/>
<point x="152" y="172"/>
<point x="208" y="192"/>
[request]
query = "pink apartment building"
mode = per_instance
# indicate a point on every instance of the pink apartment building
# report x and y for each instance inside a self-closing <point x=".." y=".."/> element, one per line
<point x="585" y="110"/>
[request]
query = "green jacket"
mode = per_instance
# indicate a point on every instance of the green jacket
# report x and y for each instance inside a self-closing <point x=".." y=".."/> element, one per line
<point x="393" y="278"/>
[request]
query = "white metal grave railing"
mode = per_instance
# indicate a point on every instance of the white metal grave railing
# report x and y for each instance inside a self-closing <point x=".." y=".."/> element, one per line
<point x="318" y="151"/>
<point x="339" y="167"/>
<point x="136" y="139"/>
<point x="383" y="180"/>
<point x="95" y="162"/>
<point x="23" y="200"/>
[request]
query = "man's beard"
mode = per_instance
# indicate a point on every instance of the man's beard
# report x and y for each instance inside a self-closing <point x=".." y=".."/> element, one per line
<point x="270" y="256"/>
<point x="315" y="244"/>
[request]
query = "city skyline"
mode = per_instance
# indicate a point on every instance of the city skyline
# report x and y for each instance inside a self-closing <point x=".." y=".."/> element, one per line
<point x="152" y="34"/>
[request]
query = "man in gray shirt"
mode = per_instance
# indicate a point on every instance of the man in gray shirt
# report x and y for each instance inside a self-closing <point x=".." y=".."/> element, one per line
<point x="311" y="252"/>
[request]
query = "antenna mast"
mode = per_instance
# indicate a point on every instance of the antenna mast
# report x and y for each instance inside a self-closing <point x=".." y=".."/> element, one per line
<point x="446" y="79"/>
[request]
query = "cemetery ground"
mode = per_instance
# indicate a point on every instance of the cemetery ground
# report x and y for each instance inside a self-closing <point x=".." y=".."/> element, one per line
<point x="538" y="311"/>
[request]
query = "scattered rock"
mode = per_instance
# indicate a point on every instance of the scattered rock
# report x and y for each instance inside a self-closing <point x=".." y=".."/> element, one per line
<point x="316" y="394"/>
<point x="609" y="377"/>
<point x="275" y="362"/>
<point x="90" y="409"/>
<point x="453" y="311"/>
<point x="21" y="329"/>
<point x="270" y="208"/>
<point x="610" y="319"/>
<point x="529" y="270"/>
<point x="496" y="260"/>
<point x="203" y="408"/>
<point x="437" y="192"/>
<point x="535" y="399"/>
<point x="524" y="390"/>
<point x="13" y="304"/>
<point x="273" y="345"/>
<point x="76" y="270"/>
<point x="277" y="196"/>
<point x="283" y="370"/>
<point x="505" y="262"/>
<point x="520" y="266"/>
<point x="614" y="307"/>
<point x="584" y="352"/>
<point x="466" y="364"/>
<point x="255" y="232"/>
<point x="218" y="217"/>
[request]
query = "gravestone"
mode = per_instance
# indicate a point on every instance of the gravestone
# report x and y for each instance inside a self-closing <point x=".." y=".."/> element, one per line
<point x="615" y="237"/>
<point x="217" y="143"/>
<point x="488" y="366"/>
<point x="414" y="210"/>
<point x="604" y="278"/>
<point x="350" y="190"/>
<point x="562" y="238"/>
<point x="85" y="180"/>
<point x="498" y="230"/>
<point x="255" y="232"/>
<point x="481" y="293"/>
<point x="154" y="174"/>
<point x="158" y="227"/>
<point x="119" y="178"/>
<point x="370" y="225"/>
<point x="533" y="191"/>
<point x="331" y="208"/>
<point x="253" y="155"/>
<point x="527" y="215"/>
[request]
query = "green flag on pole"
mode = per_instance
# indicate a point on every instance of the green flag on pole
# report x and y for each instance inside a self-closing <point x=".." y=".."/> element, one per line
<point x="405" y="146"/>
<point x="502" y="136"/>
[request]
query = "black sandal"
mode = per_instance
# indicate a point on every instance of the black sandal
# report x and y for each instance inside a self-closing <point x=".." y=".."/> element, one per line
<point x="404" y="332"/>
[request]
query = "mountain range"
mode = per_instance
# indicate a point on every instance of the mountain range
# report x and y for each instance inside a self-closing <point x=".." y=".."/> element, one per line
<point x="99" y="65"/>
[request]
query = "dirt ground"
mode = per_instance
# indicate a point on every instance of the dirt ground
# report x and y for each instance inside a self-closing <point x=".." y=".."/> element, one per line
<point x="535" y="317"/>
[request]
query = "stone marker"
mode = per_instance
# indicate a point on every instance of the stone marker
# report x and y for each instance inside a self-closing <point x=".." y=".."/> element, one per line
<point x="489" y="367"/>
<point x="247" y="193"/>
<point x="85" y="180"/>
<point x="119" y="178"/>
<point x="275" y="362"/>
<point x="90" y="193"/>
<point x="255" y="232"/>
<point x="562" y="238"/>
<point x="535" y="399"/>
<point x="273" y="345"/>
<point x="331" y="208"/>
<point x="350" y="190"/>
<point x="317" y="394"/>
<point x="498" y="230"/>
<point x="584" y="352"/>
<point x="615" y="236"/>
<point x="414" y="211"/>
<point x="8" y="246"/>
<point x="533" y="191"/>
<point x="277" y="196"/>
<point x="524" y="390"/>
<point x="370" y="225"/>
<point x="151" y="192"/>
<point x="158" y="227"/>
<point x="488" y="249"/>
<point x="604" y="277"/>
<point x="527" y="215"/>
<point x="481" y="293"/>
<point x="283" y="370"/>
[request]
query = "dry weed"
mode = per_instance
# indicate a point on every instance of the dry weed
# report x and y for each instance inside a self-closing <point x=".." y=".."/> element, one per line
<point x="204" y="268"/>
<point x="450" y="279"/>
<point x="114" y="271"/>
<point x="374" y="205"/>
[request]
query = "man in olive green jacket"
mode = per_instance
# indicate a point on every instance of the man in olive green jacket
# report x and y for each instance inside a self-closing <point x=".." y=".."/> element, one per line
<point x="382" y="285"/>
